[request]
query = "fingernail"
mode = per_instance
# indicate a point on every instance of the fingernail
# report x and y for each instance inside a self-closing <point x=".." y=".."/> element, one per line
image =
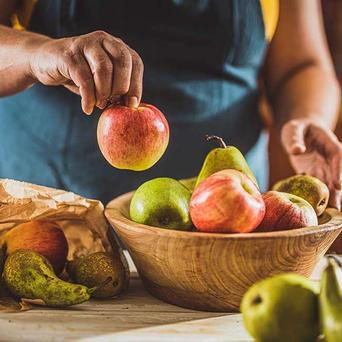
<point x="102" y="104"/>
<point x="87" y="111"/>
<point x="133" y="102"/>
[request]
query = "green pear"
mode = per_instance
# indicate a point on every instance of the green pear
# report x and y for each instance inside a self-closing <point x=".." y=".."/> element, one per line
<point x="310" y="188"/>
<point x="162" y="202"/>
<point x="29" y="275"/>
<point x="2" y="259"/>
<point x="189" y="183"/>
<point x="221" y="158"/>
<point x="94" y="269"/>
<point x="282" y="308"/>
<point x="330" y="301"/>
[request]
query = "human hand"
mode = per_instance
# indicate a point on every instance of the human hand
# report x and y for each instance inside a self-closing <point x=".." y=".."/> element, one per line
<point x="315" y="150"/>
<point x="97" y="66"/>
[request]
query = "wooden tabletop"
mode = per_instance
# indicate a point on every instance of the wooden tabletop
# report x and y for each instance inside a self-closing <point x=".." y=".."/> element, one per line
<point x="135" y="316"/>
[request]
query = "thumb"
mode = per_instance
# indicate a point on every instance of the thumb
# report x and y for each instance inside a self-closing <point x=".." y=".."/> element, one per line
<point x="293" y="137"/>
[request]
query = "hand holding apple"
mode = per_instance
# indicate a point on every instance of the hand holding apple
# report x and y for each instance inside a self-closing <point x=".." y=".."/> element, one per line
<point x="228" y="202"/>
<point x="132" y="138"/>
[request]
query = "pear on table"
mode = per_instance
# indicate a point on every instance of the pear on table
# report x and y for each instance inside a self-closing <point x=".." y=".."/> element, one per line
<point x="330" y="301"/>
<point x="282" y="308"/>
<point x="30" y="275"/>
<point x="221" y="158"/>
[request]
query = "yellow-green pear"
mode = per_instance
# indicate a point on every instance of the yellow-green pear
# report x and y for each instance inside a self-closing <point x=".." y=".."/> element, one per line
<point x="330" y="301"/>
<point x="30" y="275"/>
<point x="95" y="269"/>
<point x="221" y="158"/>
<point x="310" y="188"/>
<point x="2" y="259"/>
<point x="282" y="308"/>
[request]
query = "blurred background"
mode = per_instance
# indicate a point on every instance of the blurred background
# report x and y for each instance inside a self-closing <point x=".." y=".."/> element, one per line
<point x="279" y="165"/>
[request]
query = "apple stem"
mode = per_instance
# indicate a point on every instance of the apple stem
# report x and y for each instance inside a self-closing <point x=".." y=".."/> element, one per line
<point x="215" y="137"/>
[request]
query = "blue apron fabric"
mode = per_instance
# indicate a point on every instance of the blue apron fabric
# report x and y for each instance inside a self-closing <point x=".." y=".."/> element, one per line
<point x="202" y="59"/>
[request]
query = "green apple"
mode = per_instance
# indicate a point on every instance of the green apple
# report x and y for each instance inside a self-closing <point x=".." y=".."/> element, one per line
<point x="162" y="202"/>
<point x="282" y="308"/>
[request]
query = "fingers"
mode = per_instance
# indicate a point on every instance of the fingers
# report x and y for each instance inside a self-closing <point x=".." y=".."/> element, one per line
<point x="82" y="77"/>
<point x="128" y="72"/>
<point x="72" y="87"/>
<point x="122" y="60"/>
<point x="101" y="67"/>
<point x="336" y="169"/>
<point x="133" y="96"/>
<point x="293" y="137"/>
<point x="335" y="199"/>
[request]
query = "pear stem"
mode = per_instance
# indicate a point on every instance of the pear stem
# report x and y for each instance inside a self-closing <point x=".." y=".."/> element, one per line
<point x="215" y="137"/>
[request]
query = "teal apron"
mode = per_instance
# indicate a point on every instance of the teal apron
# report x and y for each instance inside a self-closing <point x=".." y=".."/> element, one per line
<point x="202" y="59"/>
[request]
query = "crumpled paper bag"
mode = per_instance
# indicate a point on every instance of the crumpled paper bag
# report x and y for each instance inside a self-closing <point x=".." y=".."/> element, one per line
<point x="81" y="219"/>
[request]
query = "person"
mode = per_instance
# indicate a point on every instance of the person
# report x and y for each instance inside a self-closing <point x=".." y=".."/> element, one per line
<point x="200" y="62"/>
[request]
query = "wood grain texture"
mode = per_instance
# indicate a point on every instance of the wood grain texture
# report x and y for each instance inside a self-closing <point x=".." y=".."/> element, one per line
<point x="134" y="316"/>
<point x="135" y="309"/>
<point x="211" y="272"/>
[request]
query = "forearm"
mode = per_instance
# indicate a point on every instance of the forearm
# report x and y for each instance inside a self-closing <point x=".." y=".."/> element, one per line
<point x="311" y="92"/>
<point x="16" y="49"/>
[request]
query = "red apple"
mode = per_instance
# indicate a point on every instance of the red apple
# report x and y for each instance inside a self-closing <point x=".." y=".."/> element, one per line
<point x="132" y="138"/>
<point x="286" y="211"/>
<point x="40" y="236"/>
<point x="228" y="201"/>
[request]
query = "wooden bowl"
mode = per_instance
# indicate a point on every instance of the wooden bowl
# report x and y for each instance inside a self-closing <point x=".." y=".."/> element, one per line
<point x="211" y="272"/>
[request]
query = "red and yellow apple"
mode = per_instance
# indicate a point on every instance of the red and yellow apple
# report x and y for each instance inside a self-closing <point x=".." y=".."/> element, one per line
<point x="228" y="202"/>
<point x="286" y="211"/>
<point x="40" y="236"/>
<point x="132" y="138"/>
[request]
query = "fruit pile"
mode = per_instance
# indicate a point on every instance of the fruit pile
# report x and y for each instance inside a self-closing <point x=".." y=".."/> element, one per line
<point x="225" y="198"/>
<point x="314" y="309"/>
<point x="33" y="256"/>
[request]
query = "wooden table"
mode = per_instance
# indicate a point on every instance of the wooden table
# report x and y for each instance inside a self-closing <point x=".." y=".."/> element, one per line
<point x="135" y="316"/>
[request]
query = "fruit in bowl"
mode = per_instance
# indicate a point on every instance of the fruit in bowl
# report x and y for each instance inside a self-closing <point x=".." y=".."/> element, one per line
<point x="310" y="188"/>
<point x="228" y="202"/>
<point x="162" y="202"/>
<point x="222" y="158"/>
<point x="204" y="271"/>
<point x="286" y="211"/>
<point x="132" y="138"/>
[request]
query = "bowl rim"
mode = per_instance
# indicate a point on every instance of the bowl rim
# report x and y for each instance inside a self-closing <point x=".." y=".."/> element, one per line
<point x="113" y="213"/>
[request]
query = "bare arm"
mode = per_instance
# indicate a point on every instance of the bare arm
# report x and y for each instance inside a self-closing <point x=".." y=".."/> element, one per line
<point x="299" y="72"/>
<point x="16" y="48"/>
<point x="97" y="66"/>
<point x="305" y="94"/>
<point x="14" y="52"/>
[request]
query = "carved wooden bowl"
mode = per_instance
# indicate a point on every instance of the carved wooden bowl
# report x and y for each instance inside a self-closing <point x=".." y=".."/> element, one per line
<point x="211" y="272"/>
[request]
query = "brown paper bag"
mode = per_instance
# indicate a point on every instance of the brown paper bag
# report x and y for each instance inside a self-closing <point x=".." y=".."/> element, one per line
<point x="81" y="219"/>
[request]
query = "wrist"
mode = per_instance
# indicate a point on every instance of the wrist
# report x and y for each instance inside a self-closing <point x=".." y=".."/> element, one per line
<point x="32" y="47"/>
